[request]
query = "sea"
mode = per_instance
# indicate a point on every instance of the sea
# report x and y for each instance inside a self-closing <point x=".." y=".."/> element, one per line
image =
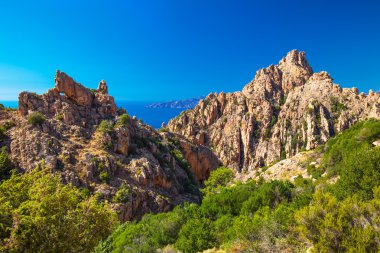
<point x="151" y="116"/>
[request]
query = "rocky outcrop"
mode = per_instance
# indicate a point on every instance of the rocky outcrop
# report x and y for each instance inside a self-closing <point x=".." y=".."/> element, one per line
<point x="71" y="102"/>
<point x="285" y="109"/>
<point x="93" y="145"/>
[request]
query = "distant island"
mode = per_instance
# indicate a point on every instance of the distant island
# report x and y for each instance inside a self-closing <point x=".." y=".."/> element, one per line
<point x="179" y="104"/>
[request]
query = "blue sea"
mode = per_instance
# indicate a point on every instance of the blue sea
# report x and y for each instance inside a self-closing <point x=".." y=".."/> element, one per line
<point x="150" y="116"/>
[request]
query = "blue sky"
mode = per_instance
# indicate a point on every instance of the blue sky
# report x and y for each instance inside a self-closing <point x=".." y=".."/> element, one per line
<point x="171" y="49"/>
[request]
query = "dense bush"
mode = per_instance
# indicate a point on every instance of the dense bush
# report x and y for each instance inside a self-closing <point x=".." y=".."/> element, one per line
<point x="348" y="226"/>
<point x="359" y="174"/>
<point x="151" y="233"/>
<point x="228" y="201"/>
<point x="40" y="214"/>
<point x="218" y="178"/>
<point x="359" y="136"/>
<point x="123" y="120"/>
<point x="196" y="235"/>
<point x="269" y="194"/>
<point x="36" y="118"/>
<point x="5" y="164"/>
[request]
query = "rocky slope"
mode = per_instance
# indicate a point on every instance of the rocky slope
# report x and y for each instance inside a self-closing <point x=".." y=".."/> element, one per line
<point x="285" y="109"/>
<point x="96" y="146"/>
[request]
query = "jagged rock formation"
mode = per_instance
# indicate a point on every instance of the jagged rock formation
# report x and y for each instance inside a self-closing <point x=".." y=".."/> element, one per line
<point x="94" y="145"/>
<point x="69" y="100"/>
<point x="286" y="108"/>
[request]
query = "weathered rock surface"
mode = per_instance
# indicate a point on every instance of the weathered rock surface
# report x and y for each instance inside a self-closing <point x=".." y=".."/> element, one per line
<point x="285" y="109"/>
<point x="120" y="153"/>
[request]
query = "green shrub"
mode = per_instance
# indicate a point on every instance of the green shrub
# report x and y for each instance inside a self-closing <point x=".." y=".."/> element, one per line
<point x="36" y="118"/>
<point x="104" y="177"/>
<point x="60" y="117"/>
<point x="123" y="120"/>
<point x="313" y="171"/>
<point x="228" y="201"/>
<point x="336" y="106"/>
<point x="122" y="195"/>
<point x="269" y="194"/>
<point x="106" y="126"/>
<point x="218" y="178"/>
<point x="196" y="235"/>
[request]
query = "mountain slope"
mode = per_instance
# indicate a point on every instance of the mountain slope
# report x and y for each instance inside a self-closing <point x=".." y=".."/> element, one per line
<point x="286" y="108"/>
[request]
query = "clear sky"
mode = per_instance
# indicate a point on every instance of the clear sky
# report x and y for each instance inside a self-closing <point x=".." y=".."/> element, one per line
<point x="171" y="49"/>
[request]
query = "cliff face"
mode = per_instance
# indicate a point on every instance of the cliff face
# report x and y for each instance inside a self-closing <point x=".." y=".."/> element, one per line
<point x="285" y="109"/>
<point x="96" y="146"/>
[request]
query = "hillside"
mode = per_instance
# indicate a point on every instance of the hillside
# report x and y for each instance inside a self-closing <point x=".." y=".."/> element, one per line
<point x="335" y="211"/>
<point x="80" y="134"/>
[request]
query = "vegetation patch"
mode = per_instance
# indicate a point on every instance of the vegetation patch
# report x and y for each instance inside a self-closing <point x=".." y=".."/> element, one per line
<point x="122" y="194"/>
<point x="40" y="214"/>
<point x="106" y="126"/>
<point x="36" y="118"/>
<point x="123" y="120"/>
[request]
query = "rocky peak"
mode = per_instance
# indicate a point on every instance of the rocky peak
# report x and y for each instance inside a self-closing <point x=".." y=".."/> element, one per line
<point x="297" y="58"/>
<point x="277" y="80"/>
<point x="296" y="70"/>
